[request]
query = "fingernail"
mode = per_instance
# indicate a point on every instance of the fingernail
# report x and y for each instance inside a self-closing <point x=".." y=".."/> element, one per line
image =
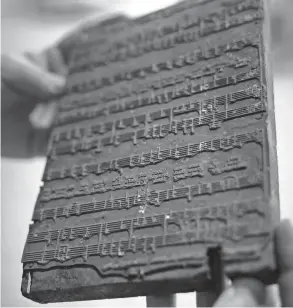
<point x="57" y="84"/>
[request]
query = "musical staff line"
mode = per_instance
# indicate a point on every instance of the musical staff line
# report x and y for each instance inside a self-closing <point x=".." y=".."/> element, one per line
<point x="219" y="211"/>
<point x="150" y="197"/>
<point x="159" y="131"/>
<point x="153" y="157"/>
<point x="232" y="231"/>
<point x="186" y="89"/>
<point x="202" y="107"/>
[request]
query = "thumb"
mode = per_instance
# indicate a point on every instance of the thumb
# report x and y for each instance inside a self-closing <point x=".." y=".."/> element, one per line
<point x="244" y="293"/>
<point x="27" y="79"/>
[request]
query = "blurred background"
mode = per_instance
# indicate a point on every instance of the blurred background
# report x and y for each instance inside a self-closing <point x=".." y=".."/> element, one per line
<point x="31" y="25"/>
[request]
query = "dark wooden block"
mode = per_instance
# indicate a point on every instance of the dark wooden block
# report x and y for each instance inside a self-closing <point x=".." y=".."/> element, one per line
<point x="164" y="147"/>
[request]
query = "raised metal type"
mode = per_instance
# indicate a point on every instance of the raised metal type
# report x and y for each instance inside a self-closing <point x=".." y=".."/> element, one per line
<point x="163" y="148"/>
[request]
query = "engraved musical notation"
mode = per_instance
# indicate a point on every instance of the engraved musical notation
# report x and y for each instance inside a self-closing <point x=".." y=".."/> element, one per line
<point x="214" y="167"/>
<point x="187" y="126"/>
<point x="151" y="197"/>
<point x="233" y="163"/>
<point x="234" y="232"/>
<point x="176" y="33"/>
<point x="152" y="157"/>
<point x="188" y="59"/>
<point x="164" y="13"/>
<point x="184" y="22"/>
<point x="158" y="153"/>
<point x="233" y="61"/>
<point x="102" y="186"/>
<point x="234" y="210"/>
<point x="196" y="225"/>
<point x="171" y="10"/>
<point x="142" y="179"/>
<point x="186" y="89"/>
<point x="201" y="107"/>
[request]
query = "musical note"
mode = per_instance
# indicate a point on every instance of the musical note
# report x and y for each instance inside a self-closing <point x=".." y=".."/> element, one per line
<point x="153" y="244"/>
<point x="64" y="234"/>
<point x="142" y="159"/>
<point x="102" y="128"/>
<point x="134" y="122"/>
<point x="72" y="235"/>
<point x="121" y="124"/>
<point x="73" y="147"/>
<point x="48" y="238"/>
<point x="154" y="131"/>
<point x="85" y="254"/>
<point x="127" y="200"/>
<point x="84" y="171"/>
<point x="151" y="160"/>
<point x="154" y="219"/>
<point x="77" y="208"/>
<point x="66" y="211"/>
<point x="153" y="200"/>
<point x="42" y="261"/>
<point x="131" y="161"/>
<point x="103" y="252"/>
<point x="152" y="98"/>
<point x="120" y="250"/>
<point x="189" y="194"/>
<point x="55" y="214"/>
<point x="98" y="148"/>
<point x="134" y="138"/>
<point x="148" y="118"/>
<point x="146" y="132"/>
<point x="110" y="201"/>
<point x="87" y="234"/>
<point x="132" y="243"/>
<point x="184" y="126"/>
<point x="176" y="152"/>
<point x="112" y="248"/>
<point x="159" y="154"/>
<point x="226" y="143"/>
<point x="144" y="247"/>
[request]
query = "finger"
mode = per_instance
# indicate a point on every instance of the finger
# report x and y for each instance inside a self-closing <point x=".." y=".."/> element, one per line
<point x="56" y="63"/>
<point x="43" y="115"/>
<point x="284" y="255"/>
<point x="27" y="79"/>
<point x="245" y="292"/>
<point x="208" y="298"/>
<point x="37" y="58"/>
<point x="272" y="296"/>
<point x="50" y="59"/>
